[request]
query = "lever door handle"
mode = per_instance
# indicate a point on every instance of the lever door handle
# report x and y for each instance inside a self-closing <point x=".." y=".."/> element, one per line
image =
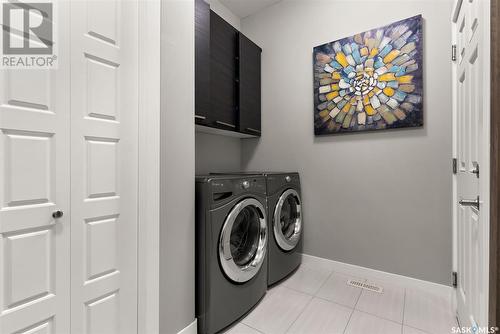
<point x="468" y="202"/>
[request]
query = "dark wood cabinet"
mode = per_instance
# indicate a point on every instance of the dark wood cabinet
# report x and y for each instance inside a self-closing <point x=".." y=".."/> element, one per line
<point x="202" y="62"/>
<point x="223" y="53"/>
<point x="249" y="86"/>
<point x="227" y="77"/>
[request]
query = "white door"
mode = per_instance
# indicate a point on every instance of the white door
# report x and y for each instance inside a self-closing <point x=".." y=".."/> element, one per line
<point x="104" y="166"/>
<point x="471" y="96"/>
<point x="34" y="182"/>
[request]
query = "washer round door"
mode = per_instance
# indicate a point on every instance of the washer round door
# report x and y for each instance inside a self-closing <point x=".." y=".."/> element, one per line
<point x="287" y="223"/>
<point x="243" y="241"/>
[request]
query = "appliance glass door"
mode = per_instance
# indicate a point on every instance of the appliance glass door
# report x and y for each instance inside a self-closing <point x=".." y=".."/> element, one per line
<point x="243" y="241"/>
<point x="288" y="220"/>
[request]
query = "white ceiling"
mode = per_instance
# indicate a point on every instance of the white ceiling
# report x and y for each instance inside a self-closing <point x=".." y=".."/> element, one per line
<point x="244" y="8"/>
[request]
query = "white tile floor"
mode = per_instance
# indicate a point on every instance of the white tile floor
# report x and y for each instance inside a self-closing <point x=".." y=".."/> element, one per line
<point x="318" y="300"/>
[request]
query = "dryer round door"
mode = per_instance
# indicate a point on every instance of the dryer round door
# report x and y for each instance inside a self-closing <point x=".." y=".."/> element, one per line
<point x="287" y="223"/>
<point x="243" y="241"/>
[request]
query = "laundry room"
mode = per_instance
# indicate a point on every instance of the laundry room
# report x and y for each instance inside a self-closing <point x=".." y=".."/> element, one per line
<point x="250" y="166"/>
<point x="373" y="204"/>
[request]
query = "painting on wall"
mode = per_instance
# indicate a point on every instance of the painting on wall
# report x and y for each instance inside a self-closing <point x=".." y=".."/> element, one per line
<point x="370" y="81"/>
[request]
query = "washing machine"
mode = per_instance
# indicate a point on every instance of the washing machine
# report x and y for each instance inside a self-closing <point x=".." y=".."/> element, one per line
<point x="231" y="248"/>
<point x="285" y="223"/>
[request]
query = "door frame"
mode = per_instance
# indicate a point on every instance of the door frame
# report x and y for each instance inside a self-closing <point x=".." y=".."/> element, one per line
<point x="494" y="305"/>
<point x="149" y="168"/>
<point x="488" y="170"/>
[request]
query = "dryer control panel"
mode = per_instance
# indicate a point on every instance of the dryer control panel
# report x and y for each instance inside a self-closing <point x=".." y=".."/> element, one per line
<point x="278" y="182"/>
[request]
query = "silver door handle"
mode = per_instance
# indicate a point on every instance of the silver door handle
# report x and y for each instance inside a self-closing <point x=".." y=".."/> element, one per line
<point x="468" y="202"/>
<point x="200" y="117"/>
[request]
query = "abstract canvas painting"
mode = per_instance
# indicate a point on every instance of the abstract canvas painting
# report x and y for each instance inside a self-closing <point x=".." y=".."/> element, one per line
<point x="370" y="81"/>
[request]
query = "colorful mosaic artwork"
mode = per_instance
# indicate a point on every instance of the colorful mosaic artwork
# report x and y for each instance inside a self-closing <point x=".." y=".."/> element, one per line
<point x="370" y="81"/>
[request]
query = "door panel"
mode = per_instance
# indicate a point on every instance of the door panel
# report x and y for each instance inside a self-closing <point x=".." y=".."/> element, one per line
<point x="104" y="166"/>
<point x="34" y="182"/>
<point x="471" y="222"/>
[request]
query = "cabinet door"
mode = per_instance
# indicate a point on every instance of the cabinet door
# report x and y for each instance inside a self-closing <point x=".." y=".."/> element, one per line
<point x="223" y="48"/>
<point x="202" y="62"/>
<point x="249" y="86"/>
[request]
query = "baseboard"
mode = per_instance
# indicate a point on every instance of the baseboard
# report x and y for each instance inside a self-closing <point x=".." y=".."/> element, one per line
<point x="192" y="328"/>
<point x="363" y="272"/>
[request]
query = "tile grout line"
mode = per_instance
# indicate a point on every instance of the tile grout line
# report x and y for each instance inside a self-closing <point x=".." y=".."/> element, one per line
<point x="251" y="327"/>
<point x="404" y="310"/>
<point x="306" y="293"/>
<point x="361" y="293"/>
<point x="323" y="284"/>
<point x="380" y="318"/>
<point x="353" y="309"/>
<point x="348" y="321"/>
<point x="377" y="315"/>
<point x="365" y="280"/>
<point x="337" y="303"/>
<point x="334" y="302"/>
<point x="300" y="313"/>
<point x="309" y="302"/>
<point x="418" y="329"/>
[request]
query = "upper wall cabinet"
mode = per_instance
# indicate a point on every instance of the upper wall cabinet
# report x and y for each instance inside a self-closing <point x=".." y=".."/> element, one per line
<point x="223" y="58"/>
<point x="227" y="89"/>
<point x="249" y="86"/>
<point x="202" y="61"/>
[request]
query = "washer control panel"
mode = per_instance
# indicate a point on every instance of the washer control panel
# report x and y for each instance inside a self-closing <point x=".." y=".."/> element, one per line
<point x="235" y="186"/>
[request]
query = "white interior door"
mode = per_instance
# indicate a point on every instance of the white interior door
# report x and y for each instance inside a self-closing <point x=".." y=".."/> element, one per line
<point x="34" y="182"/>
<point x="472" y="152"/>
<point x="104" y="166"/>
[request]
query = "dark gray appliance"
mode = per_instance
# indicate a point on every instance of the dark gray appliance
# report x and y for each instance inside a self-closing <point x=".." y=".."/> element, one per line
<point x="285" y="223"/>
<point x="231" y="248"/>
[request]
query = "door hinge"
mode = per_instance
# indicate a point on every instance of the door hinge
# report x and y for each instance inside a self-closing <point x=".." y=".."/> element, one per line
<point x="454" y="165"/>
<point x="454" y="279"/>
<point x="454" y="52"/>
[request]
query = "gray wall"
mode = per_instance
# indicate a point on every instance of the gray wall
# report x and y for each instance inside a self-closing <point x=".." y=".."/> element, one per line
<point x="216" y="153"/>
<point x="380" y="200"/>
<point x="213" y="152"/>
<point x="177" y="166"/>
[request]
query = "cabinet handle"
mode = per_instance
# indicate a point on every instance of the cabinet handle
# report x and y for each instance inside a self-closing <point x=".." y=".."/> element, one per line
<point x="253" y="130"/>
<point x="225" y="124"/>
<point x="200" y="117"/>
